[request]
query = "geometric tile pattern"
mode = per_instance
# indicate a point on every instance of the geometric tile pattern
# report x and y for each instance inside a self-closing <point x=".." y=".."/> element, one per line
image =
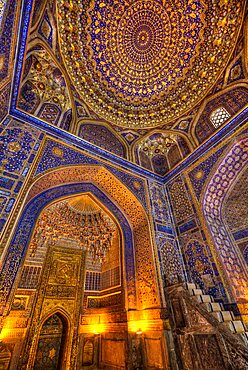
<point x="4" y="98"/>
<point x="56" y="155"/>
<point x="168" y="252"/>
<point x="233" y="101"/>
<point x="160" y="206"/>
<point x="21" y="238"/>
<point x="215" y="193"/>
<point x="7" y="23"/>
<point x="102" y="137"/>
<point x="235" y="208"/>
<point x="235" y="212"/>
<point x="19" y="144"/>
<point x="200" y="268"/>
<point x="219" y="116"/>
<point x="180" y="202"/>
<point x="199" y="174"/>
<point x="199" y="263"/>
<point x="171" y="268"/>
<point x="155" y="55"/>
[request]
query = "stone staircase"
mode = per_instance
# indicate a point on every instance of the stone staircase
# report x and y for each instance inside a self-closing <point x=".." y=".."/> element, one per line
<point x="217" y="310"/>
<point x="205" y="335"/>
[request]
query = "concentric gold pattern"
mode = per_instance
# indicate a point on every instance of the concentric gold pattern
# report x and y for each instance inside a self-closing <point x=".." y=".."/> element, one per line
<point x="142" y="63"/>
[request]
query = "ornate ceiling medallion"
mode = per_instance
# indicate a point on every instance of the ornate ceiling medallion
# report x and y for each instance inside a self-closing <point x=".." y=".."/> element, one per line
<point x="143" y="63"/>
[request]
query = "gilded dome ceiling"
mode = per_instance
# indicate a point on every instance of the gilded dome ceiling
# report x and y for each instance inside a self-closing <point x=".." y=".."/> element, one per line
<point x="142" y="63"/>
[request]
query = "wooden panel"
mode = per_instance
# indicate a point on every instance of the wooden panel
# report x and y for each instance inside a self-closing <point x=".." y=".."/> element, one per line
<point x="154" y="352"/>
<point x="113" y="352"/>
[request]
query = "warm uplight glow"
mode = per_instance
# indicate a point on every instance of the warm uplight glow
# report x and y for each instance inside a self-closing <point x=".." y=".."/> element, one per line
<point x="97" y="328"/>
<point x="4" y="334"/>
<point x="138" y="327"/>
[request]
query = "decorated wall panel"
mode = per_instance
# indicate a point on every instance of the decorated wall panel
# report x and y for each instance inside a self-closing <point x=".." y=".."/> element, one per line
<point x="199" y="174"/>
<point x="103" y="137"/>
<point x="44" y="91"/>
<point x="170" y="259"/>
<point x="235" y="213"/>
<point x="217" y="173"/>
<point x="180" y="201"/>
<point x="233" y="101"/>
<point x="5" y="100"/>
<point x="56" y="154"/>
<point x="197" y="257"/>
<point x="19" y="143"/>
<point x="231" y="164"/>
<point x="58" y="303"/>
<point x="200" y="266"/>
<point x="8" y="26"/>
<point x="50" y="342"/>
<point x="169" y="256"/>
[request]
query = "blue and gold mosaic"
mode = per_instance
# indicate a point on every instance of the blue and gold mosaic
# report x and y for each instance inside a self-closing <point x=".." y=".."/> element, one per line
<point x="19" y="144"/>
<point x="20" y="241"/>
<point x="161" y="56"/>
<point x="232" y="266"/>
<point x="56" y="155"/>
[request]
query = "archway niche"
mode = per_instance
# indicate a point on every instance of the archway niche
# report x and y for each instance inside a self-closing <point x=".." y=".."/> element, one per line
<point x="62" y="224"/>
<point x="235" y="213"/>
<point x="141" y="307"/>
<point x="50" y="353"/>
<point x="229" y="262"/>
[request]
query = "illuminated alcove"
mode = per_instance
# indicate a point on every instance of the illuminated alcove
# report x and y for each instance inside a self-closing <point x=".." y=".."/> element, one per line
<point x="62" y="231"/>
<point x="128" y="306"/>
<point x="52" y="271"/>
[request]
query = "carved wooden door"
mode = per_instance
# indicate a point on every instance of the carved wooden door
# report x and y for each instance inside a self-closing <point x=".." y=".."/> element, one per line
<point x="50" y="347"/>
<point x="59" y="301"/>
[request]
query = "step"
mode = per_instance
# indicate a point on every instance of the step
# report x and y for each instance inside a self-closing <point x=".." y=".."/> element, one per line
<point x="203" y="298"/>
<point x="213" y="307"/>
<point x="196" y="292"/>
<point x="244" y="337"/>
<point x="189" y="286"/>
<point x="236" y="326"/>
<point x="223" y="316"/>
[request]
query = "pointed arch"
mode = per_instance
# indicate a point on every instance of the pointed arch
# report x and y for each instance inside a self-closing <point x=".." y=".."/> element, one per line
<point x="103" y="136"/>
<point x="41" y="46"/>
<point x="61" y="344"/>
<point x="228" y="260"/>
<point x="161" y="163"/>
<point x="201" y="128"/>
<point x="131" y="215"/>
